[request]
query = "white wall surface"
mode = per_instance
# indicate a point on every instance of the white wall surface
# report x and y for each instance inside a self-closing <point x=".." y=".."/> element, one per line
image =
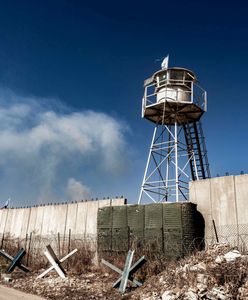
<point x="223" y="200"/>
<point x="79" y="218"/>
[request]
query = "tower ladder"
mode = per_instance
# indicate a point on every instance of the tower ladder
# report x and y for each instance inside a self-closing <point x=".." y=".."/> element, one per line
<point x="198" y="159"/>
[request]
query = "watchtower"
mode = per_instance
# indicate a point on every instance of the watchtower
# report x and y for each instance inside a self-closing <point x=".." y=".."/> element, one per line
<point x="175" y="103"/>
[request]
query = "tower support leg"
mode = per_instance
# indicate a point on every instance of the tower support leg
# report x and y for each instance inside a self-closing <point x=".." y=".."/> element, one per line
<point x="147" y="165"/>
<point x="167" y="170"/>
<point x="176" y="162"/>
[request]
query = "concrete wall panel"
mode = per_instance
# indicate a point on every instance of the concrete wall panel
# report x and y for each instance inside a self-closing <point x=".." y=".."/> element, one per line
<point x="200" y="194"/>
<point x="16" y="222"/>
<point x="9" y="221"/>
<point x="91" y="221"/>
<point x="103" y="203"/>
<point x="81" y="219"/>
<point x="32" y="220"/>
<point x="71" y="219"/>
<point x="39" y="220"/>
<point x="25" y="222"/>
<point x="3" y="219"/>
<point x="58" y="216"/>
<point x="241" y="188"/>
<point x="223" y="200"/>
<point x="117" y="201"/>
<point x="47" y="219"/>
<point x="52" y="226"/>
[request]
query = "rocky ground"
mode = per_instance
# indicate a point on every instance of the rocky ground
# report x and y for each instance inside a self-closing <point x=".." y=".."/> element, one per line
<point x="217" y="273"/>
<point x="86" y="286"/>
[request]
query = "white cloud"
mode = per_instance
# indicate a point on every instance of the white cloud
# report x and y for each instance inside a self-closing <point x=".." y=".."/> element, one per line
<point x="77" y="191"/>
<point x="40" y="138"/>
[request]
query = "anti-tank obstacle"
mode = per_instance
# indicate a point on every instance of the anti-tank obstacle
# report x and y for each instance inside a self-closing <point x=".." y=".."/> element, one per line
<point x="15" y="261"/>
<point x="128" y="271"/>
<point x="55" y="262"/>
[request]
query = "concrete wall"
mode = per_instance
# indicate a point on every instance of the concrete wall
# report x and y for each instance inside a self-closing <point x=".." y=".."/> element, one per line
<point x="224" y="200"/>
<point x="80" y="219"/>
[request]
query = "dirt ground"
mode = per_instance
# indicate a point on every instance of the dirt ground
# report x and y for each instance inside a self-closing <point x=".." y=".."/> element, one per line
<point x="91" y="285"/>
<point x="7" y="293"/>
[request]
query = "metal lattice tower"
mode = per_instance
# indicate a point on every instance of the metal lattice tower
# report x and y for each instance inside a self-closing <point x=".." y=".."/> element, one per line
<point x="174" y="102"/>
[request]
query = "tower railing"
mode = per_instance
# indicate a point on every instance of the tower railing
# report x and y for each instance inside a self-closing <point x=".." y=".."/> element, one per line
<point x="194" y="93"/>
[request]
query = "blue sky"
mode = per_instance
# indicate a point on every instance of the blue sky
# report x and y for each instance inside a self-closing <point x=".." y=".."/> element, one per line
<point x="78" y="67"/>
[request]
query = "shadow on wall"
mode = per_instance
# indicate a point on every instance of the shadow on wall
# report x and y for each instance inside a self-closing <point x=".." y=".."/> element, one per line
<point x="199" y="231"/>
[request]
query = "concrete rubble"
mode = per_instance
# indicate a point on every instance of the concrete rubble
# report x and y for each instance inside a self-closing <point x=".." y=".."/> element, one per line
<point x="219" y="273"/>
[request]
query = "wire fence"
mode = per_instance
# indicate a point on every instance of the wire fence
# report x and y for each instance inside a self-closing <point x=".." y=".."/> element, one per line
<point x="234" y="235"/>
<point x="35" y="245"/>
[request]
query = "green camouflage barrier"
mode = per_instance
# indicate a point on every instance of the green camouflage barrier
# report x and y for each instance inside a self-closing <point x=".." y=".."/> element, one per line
<point x="136" y="223"/>
<point x="160" y="227"/>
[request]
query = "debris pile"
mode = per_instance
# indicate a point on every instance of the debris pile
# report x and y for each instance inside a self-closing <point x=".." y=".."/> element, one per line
<point x="217" y="273"/>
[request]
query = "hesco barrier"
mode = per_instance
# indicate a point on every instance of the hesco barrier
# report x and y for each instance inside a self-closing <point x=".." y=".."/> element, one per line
<point x="172" y="228"/>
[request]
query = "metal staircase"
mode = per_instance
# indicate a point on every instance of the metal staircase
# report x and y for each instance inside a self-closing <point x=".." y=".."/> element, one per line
<point x="197" y="152"/>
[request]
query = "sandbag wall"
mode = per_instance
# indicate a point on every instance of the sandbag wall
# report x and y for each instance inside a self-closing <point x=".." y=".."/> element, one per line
<point x="163" y="227"/>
